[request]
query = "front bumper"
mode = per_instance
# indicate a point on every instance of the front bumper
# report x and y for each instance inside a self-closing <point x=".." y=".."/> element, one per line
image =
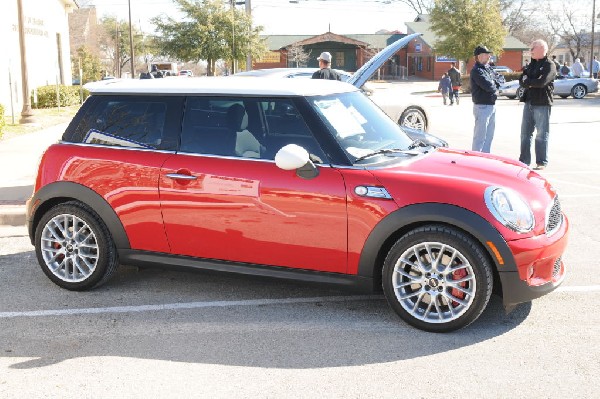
<point x="540" y="268"/>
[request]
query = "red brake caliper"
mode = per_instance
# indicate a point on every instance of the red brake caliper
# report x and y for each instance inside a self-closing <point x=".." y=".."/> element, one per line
<point x="457" y="275"/>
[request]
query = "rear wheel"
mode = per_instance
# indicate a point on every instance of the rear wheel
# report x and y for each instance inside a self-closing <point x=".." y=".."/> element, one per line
<point x="74" y="247"/>
<point x="414" y="118"/>
<point x="579" y="91"/>
<point x="437" y="278"/>
<point x="520" y="92"/>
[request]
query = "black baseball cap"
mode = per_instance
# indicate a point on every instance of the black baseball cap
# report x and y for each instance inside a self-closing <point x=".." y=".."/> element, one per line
<point x="481" y="50"/>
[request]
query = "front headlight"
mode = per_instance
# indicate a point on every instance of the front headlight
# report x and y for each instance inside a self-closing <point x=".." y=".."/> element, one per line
<point x="509" y="208"/>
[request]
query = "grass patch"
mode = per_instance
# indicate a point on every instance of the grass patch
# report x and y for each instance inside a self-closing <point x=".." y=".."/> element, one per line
<point x="44" y="118"/>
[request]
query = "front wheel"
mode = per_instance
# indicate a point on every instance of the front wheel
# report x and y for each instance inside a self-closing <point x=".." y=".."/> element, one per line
<point x="414" y="118"/>
<point x="74" y="247"/>
<point x="437" y="278"/>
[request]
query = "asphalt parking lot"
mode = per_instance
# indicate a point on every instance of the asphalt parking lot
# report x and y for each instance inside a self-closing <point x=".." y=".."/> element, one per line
<point x="156" y="333"/>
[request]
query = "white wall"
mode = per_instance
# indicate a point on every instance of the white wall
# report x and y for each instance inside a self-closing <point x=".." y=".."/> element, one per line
<point x="44" y="19"/>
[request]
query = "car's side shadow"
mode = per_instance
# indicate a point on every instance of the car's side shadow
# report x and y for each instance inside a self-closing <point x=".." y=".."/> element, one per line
<point x="311" y="334"/>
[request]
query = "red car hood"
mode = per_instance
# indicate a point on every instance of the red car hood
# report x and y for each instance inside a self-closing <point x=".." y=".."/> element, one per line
<point x="460" y="178"/>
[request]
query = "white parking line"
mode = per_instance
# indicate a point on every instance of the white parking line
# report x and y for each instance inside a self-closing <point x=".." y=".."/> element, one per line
<point x="222" y="304"/>
<point x="188" y="305"/>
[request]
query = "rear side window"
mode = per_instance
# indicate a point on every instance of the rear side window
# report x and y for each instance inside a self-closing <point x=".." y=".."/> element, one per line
<point x="124" y="121"/>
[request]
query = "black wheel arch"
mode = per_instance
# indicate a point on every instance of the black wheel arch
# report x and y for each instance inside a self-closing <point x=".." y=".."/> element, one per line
<point x="63" y="191"/>
<point x="399" y="222"/>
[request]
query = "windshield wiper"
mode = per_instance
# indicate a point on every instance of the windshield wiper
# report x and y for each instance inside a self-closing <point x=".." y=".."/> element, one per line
<point x="417" y="143"/>
<point x="384" y="151"/>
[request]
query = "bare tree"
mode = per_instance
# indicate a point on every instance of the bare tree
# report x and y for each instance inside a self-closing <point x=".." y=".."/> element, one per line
<point x="420" y="6"/>
<point x="297" y="55"/>
<point x="516" y="15"/>
<point x="570" y="28"/>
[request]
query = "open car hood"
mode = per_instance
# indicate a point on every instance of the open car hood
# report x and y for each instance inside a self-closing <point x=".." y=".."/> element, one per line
<point x="367" y="70"/>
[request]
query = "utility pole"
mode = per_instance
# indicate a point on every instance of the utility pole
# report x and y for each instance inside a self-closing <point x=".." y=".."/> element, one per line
<point x="27" y="112"/>
<point x="249" y="13"/>
<point x="117" y="53"/>
<point x="592" y="49"/>
<point x="131" y="42"/>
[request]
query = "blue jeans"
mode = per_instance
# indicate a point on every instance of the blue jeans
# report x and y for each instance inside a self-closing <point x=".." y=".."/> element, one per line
<point x="453" y="96"/>
<point x="485" y="124"/>
<point x="535" y="117"/>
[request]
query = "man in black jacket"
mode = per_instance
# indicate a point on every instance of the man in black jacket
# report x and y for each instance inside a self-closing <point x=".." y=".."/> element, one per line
<point x="325" y="72"/>
<point x="537" y="79"/>
<point x="484" y="84"/>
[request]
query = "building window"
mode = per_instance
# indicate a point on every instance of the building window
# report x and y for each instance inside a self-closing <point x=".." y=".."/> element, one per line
<point x="339" y="59"/>
<point x="419" y="63"/>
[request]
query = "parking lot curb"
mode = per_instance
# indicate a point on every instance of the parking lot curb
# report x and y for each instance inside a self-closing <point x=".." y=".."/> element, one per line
<point x="12" y="215"/>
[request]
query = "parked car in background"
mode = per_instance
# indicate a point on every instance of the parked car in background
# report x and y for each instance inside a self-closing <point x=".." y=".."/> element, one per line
<point x="563" y="87"/>
<point x="186" y="72"/>
<point x="307" y="180"/>
<point x="502" y="69"/>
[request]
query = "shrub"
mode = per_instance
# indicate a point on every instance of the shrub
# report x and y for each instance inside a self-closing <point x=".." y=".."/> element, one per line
<point x="2" y="121"/>
<point x="68" y="95"/>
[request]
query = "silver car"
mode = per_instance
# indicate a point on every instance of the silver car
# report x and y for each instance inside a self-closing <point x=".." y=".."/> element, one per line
<point x="563" y="87"/>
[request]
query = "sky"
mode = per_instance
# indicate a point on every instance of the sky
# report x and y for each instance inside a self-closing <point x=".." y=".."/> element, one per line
<point x="280" y="17"/>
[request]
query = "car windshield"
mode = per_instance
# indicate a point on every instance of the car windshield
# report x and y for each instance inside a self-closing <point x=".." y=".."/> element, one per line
<point x="360" y="127"/>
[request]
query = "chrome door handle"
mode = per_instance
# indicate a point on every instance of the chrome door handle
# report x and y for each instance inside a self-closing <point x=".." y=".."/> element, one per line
<point x="178" y="176"/>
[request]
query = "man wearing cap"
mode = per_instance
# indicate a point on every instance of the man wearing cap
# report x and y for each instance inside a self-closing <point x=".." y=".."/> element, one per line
<point x="537" y="79"/>
<point x="484" y="83"/>
<point x="325" y="72"/>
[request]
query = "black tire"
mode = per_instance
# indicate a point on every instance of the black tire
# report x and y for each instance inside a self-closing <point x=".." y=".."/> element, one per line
<point x="74" y="247"/>
<point x="520" y="92"/>
<point x="579" y="91"/>
<point x="410" y="287"/>
<point x="413" y="117"/>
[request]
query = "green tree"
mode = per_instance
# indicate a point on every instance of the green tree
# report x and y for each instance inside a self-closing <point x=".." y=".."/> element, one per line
<point x="89" y="64"/>
<point x="462" y="25"/>
<point x="209" y="31"/>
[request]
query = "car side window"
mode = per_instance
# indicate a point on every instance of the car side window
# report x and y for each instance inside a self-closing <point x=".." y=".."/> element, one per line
<point x="125" y="122"/>
<point x="244" y="127"/>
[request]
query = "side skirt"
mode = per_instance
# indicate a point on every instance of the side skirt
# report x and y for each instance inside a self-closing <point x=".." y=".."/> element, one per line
<point x="166" y="261"/>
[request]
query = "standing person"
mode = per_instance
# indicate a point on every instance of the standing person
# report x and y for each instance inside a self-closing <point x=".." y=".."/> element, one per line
<point x="484" y="83"/>
<point x="556" y="63"/>
<point x="445" y="87"/>
<point x="577" y="68"/>
<point x="565" y="70"/>
<point x="595" y="67"/>
<point x="325" y="72"/>
<point x="456" y="79"/>
<point x="537" y="80"/>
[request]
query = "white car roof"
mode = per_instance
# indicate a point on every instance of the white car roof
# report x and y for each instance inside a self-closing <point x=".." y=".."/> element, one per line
<point x="228" y="85"/>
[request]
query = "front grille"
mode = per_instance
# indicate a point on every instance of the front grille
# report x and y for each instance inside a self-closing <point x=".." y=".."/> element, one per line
<point x="556" y="268"/>
<point x="554" y="217"/>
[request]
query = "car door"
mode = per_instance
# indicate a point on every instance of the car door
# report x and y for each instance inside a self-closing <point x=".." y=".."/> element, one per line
<point x="219" y="204"/>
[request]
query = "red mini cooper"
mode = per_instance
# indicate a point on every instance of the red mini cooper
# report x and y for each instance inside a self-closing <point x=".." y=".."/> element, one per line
<point x="291" y="178"/>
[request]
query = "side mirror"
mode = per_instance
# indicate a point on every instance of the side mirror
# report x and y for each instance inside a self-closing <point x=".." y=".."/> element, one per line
<point x="292" y="157"/>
